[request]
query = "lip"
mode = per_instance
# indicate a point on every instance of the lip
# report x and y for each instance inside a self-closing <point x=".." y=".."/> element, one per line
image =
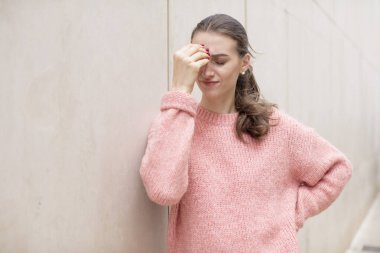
<point x="210" y="82"/>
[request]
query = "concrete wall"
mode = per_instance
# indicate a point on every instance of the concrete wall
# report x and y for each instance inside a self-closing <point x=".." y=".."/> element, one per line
<point x="80" y="82"/>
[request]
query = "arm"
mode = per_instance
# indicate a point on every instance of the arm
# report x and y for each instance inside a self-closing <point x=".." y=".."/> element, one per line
<point x="164" y="166"/>
<point x="321" y="169"/>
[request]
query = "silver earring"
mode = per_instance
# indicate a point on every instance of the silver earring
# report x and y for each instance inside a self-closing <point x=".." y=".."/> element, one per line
<point x="243" y="73"/>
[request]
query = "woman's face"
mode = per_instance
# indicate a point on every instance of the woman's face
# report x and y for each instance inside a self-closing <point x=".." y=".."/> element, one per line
<point x="224" y="66"/>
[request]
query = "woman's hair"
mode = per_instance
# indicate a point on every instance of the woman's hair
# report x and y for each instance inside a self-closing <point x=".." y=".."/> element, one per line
<point x="254" y="110"/>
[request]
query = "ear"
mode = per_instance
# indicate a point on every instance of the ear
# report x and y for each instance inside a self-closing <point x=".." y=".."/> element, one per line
<point x="245" y="62"/>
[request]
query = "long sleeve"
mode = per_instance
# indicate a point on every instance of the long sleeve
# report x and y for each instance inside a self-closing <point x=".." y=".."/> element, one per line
<point x="164" y="166"/>
<point x="321" y="169"/>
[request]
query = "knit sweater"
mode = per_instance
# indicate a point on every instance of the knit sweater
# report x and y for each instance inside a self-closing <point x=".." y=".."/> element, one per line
<point x="228" y="196"/>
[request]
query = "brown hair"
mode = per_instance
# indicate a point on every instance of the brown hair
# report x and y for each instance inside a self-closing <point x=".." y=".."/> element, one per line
<point x="254" y="110"/>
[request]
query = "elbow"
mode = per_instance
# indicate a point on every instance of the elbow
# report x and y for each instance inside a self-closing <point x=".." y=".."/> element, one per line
<point x="165" y="193"/>
<point x="349" y="169"/>
<point x="166" y="196"/>
<point x="344" y="170"/>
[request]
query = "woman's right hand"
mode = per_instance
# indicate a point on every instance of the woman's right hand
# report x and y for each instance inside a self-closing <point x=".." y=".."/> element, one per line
<point x="187" y="62"/>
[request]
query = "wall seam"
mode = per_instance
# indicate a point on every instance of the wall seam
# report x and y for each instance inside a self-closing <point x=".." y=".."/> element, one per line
<point x="167" y="43"/>
<point x="245" y="15"/>
<point x="168" y="53"/>
<point x="287" y="59"/>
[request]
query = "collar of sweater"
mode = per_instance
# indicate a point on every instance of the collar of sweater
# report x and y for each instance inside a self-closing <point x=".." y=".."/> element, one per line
<point x="215" y="118"/>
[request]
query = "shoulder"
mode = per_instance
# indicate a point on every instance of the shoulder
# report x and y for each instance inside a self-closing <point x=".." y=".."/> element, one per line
<point x="288" y="122"/>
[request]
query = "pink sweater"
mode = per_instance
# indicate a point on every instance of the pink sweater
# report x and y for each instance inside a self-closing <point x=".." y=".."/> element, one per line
<point x="227" y="196"/>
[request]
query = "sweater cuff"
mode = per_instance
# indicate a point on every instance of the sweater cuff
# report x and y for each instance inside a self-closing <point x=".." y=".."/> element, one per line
<point x="179" y="100"/>
<point x="300" y="211"/>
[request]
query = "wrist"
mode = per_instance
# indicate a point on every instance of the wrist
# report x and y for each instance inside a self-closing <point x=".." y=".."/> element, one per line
<point x="175" y="88"/>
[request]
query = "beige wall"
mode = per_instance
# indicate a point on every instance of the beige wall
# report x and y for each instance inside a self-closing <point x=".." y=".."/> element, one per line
<point x="80" y="82"/>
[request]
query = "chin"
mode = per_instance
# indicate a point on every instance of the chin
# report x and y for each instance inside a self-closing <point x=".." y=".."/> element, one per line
<point x="214" y="93"/>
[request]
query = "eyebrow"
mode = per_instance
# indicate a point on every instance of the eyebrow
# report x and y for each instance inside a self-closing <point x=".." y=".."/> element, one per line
<point x="217" y="55"/>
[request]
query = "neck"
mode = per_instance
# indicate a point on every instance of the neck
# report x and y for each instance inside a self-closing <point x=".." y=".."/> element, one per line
<point x="219" y="105"/>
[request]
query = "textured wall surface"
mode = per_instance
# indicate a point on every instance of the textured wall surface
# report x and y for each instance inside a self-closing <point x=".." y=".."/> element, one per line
<point x="78" y="86"/>
<point x="80" y="82"/>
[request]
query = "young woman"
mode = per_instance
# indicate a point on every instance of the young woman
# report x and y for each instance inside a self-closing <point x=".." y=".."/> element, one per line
<point x="238" y="174"/>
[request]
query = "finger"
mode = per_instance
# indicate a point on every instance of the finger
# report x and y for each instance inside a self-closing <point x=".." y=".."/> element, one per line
<point x="201" y="63"/>
<point x="198" y="56"/>
<point x="202" y="49"/>
<point x="191" y="49"/>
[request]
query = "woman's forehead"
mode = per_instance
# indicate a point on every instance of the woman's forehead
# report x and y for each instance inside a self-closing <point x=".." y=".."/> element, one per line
<point x="219" y="44"/>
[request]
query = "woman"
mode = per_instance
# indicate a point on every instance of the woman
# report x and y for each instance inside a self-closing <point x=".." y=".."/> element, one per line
<point x="238" y="174"/>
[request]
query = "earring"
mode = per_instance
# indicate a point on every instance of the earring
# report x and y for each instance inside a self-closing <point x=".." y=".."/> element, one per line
<point x="243" y="73"/>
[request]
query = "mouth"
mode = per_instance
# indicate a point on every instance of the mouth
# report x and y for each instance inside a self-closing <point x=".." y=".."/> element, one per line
<point x="210" y="83"/>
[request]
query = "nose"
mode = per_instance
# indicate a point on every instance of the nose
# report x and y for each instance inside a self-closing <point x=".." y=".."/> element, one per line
<point x="206" y="71"/>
